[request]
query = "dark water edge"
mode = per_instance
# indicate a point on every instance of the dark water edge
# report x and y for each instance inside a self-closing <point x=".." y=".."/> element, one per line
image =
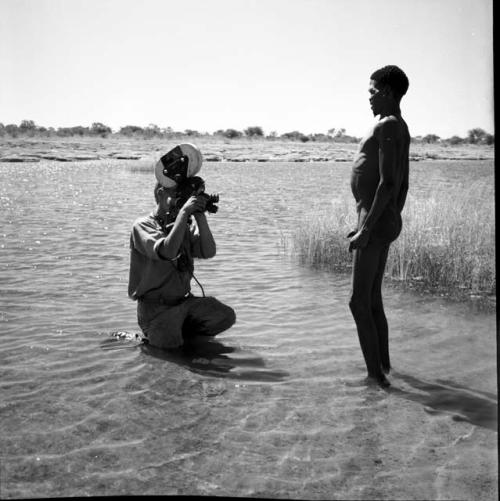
<point x="474" y="301"/>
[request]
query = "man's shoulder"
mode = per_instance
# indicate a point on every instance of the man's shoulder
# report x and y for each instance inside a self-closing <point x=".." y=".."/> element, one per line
<point x="388" y="121"/>
<point x="144" y="221"/>
<point x="389" y="126"/>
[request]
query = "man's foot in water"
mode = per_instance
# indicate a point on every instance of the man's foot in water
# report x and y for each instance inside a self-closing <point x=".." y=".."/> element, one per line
<point x="379" y="379"/>
<point x="386" y="369"/>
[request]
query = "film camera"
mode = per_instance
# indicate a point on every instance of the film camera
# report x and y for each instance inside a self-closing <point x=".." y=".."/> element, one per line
<point x="195" y="186"/>
<point x="175" y="167"/>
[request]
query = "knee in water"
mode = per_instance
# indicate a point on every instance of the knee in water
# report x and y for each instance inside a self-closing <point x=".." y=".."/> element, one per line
<point x="357" y="305"/>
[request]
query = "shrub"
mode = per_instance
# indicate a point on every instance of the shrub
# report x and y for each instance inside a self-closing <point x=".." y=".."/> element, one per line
<point x="12" y="130"/>
<point x="152" y="130"/>
<point x="73" y="131"/>
<point x="431" y="139"/>
<point x="475" y="136"/>
<point x="27" y="127"/>
<point x="254" y="131"/>
<point x="232" y="133"/>
<point x="295" y="136"/>
<point x="99" y="129"/>
<point x="453" y="140"/>
<point x="131" y="130"/>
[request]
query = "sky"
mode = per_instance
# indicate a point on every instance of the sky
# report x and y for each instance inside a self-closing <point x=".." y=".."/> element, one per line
<point x="206" y="65"/>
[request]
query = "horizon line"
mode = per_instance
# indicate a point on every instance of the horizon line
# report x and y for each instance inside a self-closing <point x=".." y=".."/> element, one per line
<point x="170" y="130"/>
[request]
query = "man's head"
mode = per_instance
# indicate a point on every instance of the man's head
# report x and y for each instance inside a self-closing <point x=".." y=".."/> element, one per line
<point x="393" y="78"/>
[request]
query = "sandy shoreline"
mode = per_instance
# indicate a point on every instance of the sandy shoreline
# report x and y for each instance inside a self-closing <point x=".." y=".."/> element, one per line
<point x="213" y="149"/>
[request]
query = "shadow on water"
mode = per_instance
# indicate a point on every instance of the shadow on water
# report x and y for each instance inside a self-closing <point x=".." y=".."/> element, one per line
<point x="442" y="397"/>
<point x="203" y="355"/>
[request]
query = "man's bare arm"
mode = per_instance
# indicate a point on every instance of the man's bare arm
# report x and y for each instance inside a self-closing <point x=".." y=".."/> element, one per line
<point x="172" y="242"/>
<point x="403" y="191"/>
<point x="206" y="240"/>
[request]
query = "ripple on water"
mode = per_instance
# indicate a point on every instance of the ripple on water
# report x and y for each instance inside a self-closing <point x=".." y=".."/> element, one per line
<point x="275" y="407"/>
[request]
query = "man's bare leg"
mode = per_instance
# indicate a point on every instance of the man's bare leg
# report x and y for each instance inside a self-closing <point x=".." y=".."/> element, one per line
<point x="365" y="276"/>
<point x="379" y="313"/>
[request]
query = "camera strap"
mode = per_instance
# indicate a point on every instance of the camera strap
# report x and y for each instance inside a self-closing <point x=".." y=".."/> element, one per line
<point x="199" y="285"/>
<point x="165" y="228"/>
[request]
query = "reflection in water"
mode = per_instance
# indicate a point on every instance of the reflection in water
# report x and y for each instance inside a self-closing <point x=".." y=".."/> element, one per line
<point x="203" y="355"/>
<point x="475" y="407"/>
<point x="122" y="340"/>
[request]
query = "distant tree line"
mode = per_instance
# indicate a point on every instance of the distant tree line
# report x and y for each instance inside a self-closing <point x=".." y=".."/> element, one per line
<point x="28" y="128"/>
<point x="474" y="136"/>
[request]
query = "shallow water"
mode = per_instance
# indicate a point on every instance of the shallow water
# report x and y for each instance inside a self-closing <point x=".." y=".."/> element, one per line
<point x="275" y="407"/>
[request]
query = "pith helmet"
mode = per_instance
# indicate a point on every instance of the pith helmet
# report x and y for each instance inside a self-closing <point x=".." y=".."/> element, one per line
<point x="179" y="163"/>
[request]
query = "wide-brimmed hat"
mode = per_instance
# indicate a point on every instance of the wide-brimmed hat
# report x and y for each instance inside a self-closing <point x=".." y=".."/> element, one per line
<point x="179" y="163"/>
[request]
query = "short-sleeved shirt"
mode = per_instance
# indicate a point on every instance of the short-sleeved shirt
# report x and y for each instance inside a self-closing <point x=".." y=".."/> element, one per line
<point x="153" y="277"/>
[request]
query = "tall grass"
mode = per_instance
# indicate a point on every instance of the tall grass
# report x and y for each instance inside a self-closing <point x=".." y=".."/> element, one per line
<point x="319" y="240"/>
<point x="447" y="242"/>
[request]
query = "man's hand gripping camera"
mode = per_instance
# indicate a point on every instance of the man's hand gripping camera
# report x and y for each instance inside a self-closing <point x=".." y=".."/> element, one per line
<point x="195" y="186"/>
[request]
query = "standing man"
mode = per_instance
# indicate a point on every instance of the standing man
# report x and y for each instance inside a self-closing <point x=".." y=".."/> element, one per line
<point x="379" y="183"/>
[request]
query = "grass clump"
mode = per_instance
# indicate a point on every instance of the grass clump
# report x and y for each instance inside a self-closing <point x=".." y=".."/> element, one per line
<point x="320" y="241"/>
<point x="447" y="243"/>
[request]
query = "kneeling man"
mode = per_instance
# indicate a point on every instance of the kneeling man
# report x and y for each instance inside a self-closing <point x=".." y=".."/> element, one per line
<point x="162" y="247"/>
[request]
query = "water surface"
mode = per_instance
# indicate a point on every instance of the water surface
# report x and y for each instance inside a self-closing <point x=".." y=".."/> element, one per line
<point x="275" y="407"/>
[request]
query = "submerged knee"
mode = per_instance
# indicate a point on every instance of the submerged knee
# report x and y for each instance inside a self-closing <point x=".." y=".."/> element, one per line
<point x="224" y="319"/>
<point x="230" y="317"/>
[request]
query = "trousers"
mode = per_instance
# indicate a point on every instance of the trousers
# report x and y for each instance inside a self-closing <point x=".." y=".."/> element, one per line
<point x="169" y="326"/>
